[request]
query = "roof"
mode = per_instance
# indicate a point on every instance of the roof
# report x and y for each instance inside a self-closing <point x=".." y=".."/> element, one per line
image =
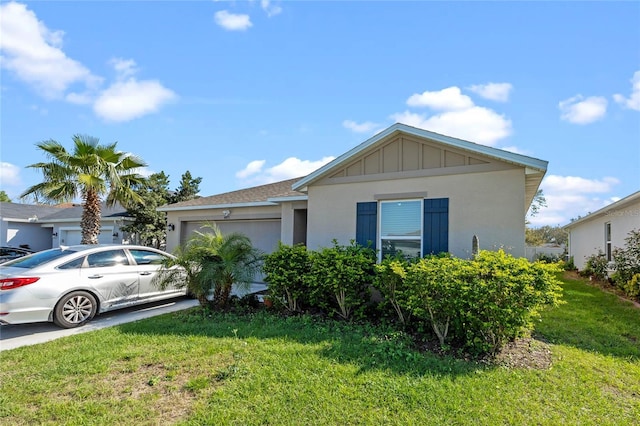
<point x="255" y="196"/>
<point x="635" y="197"/>
<point x="75" y="213"/>
<point x="34" y="212"/>
<point x="25" y="212"/>
<point x="518" y="159"/>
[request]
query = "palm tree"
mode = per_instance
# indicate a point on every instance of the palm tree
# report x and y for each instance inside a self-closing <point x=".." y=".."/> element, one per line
<point x="213" y="262"/>
<point x="92" y="171"/>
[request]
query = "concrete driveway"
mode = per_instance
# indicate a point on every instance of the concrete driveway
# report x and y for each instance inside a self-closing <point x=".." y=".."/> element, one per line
<point x="14" y="336"/>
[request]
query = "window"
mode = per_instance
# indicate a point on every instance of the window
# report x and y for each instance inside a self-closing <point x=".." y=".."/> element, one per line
<point x="107" y="258"/>
<point x="147" y="257"/>
<point x="401" y="228"/>
<point x="607" y="240"/>
<point x="414" y="227"/>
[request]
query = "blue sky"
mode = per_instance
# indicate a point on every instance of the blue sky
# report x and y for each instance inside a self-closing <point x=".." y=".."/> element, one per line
<point x="249" y="92"/>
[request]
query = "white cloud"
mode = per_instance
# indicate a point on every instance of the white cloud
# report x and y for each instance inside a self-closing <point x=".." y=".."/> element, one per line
<point x="571" y="196"/>
<point x="290" y="168"/>
<point x="124" y="67"/>
<point x="633" y="101"/>
<point x="444" y="100"/>
<point x="33" y="53"/>
<point x="126" y="100"/>
<point x="231" y="21"/>
<point x="252" y="168"/>
<point x="579" y="110"/>
<point x="366" y="127"/>
<point x="475" y="124"/>
<point x="270" y="8"/>
<point x="9" y="174"/>
<point x="493" y="91"/>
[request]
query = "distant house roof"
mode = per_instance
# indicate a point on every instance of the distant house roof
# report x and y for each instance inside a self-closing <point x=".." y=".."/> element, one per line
<point x="268" y="194"/>
<point x="75" y="213"/>
<point x="33" y="212"/>
<point x="24" y="212"/>
<point x="635" y="197"/>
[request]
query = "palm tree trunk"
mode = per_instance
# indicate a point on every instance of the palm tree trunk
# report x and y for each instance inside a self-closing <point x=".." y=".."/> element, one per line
<point x="91" y="218"/>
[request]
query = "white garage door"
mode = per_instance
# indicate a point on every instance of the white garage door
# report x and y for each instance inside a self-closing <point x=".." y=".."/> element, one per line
<point x="264" y="234"/>
<point x="73" y="237"/>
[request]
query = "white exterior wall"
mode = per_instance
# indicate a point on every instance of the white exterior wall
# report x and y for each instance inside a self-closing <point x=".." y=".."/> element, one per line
<point x="586" y="238"/>
<point x="15" y="234"/>
<point x="489" y="205"/>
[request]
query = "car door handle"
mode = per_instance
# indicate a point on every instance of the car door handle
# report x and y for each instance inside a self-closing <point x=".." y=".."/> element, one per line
<point x="92" y="277"/>
<point x="145" y="273"/>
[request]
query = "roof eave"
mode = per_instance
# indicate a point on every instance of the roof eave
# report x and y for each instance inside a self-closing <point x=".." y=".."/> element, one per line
<point x="217" y="206"/>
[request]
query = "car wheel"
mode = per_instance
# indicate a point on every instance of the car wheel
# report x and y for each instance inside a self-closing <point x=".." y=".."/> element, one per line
<point x="75" y="309"/>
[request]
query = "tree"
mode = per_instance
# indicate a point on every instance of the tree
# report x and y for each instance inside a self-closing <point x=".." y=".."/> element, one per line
<point x="539" y="201"/>
<point x="188" y="189"/>
<point x="545" y="234"/>
<point x="4" y="197"/>
<point x="92" y="172"/>
<point x="213" y="262"/>
<point x="150" y="225"/>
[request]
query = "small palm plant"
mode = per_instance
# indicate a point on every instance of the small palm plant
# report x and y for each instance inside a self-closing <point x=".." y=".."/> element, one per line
<point x="213" y="262"/>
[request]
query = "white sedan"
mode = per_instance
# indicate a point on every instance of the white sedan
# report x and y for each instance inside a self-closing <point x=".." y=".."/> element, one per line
<point x="70" y="285"/>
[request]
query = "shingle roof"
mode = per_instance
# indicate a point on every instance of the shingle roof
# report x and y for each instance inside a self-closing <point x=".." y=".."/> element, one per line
<point x="19" y="211"/>
<point x="256" y="194"/>
<point x="75" y="212"/>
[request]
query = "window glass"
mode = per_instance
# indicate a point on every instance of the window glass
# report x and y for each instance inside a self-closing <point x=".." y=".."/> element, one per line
<point x="401" y="218"/>
<point x="74" y="264"/>
<point x="107" y="258"/>
<point x="607" y="240"/>
<point x="38" y="258"/>
<point x="147" y="257"/>
<point x="401" y="228"/>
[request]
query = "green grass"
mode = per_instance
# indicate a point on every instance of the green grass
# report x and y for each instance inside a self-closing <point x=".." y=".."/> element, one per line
<point x="187" y="368"/>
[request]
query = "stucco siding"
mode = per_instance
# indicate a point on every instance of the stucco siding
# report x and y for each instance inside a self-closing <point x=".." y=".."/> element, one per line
<point x="35" y="236"/>
<point x="489" y="205"/>
<point x="588" y="237"/>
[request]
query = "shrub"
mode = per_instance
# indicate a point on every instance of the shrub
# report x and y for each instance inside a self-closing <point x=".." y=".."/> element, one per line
<point x="436" y="286"/>
<point x="390" y="281"/>
<point x="340" y="279"/>
<point x="285" y="271"/>
<point x="596" y="266"/>
<point x="627" y="263"/>
<point x="480" y="304"/>
<point x="505" y="298"/>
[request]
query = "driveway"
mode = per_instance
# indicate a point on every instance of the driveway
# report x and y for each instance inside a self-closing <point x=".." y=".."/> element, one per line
<point x="15" y="336"/>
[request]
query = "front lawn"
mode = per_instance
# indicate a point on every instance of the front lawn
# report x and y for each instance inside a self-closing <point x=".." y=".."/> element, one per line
<point x="187" y="368"/>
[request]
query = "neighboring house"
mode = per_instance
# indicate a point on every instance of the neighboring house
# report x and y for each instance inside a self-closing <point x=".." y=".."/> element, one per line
<point x="403" y="189"/>
<point x="603" y="230"/>
<point x="42" y="227"/>
<point x="20" y="226"/>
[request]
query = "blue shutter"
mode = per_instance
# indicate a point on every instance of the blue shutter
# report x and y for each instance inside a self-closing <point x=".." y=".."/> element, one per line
<point x="436" y="226"/>
<point x="366" y="224"/>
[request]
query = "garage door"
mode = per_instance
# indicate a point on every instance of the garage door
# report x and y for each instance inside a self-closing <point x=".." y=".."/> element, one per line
<point x="264" y="234"/>
<point x="73" y="237"/>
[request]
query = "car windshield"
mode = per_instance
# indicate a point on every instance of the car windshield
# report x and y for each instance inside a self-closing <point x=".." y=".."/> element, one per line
<point x="39" y="258"/>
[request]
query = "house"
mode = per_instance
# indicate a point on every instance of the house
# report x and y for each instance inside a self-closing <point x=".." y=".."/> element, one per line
<point x="603" y="230"/>
<point x="403" y="189"/>
<point x="20" y="226"/>
<point x="43" y="227"/>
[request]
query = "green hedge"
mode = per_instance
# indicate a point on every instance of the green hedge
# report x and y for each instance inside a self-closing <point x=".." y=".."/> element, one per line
<point x="477" y="305"/>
